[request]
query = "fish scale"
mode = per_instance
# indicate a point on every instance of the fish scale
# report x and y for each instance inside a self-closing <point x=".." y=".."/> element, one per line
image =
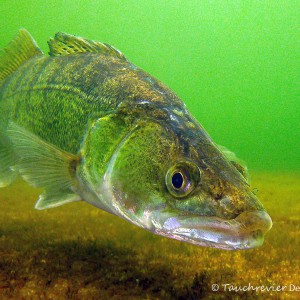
<point x="85" y="124"/>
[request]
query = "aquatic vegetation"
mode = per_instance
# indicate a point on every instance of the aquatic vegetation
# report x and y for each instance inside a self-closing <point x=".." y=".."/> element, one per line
<point x="81" y="252"/>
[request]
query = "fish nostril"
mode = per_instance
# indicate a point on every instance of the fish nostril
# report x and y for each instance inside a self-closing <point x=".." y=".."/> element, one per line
<point x="218" y="196"/>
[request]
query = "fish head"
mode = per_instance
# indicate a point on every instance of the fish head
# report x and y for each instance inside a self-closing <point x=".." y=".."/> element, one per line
<point x="173" y="180"/>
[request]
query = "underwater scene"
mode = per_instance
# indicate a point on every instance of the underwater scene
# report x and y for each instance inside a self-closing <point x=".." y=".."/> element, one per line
<point x="149" y="150"/>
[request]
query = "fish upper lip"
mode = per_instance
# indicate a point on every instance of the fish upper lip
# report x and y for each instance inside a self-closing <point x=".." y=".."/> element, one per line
<point x="245" y="231"/>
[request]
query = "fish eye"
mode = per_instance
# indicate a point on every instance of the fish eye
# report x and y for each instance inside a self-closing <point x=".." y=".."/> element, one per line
<point x="177" y="180"/>
<point x="182" y="178"/>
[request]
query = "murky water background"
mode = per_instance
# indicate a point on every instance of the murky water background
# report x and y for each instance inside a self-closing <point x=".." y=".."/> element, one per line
<point x="236" y="66"/>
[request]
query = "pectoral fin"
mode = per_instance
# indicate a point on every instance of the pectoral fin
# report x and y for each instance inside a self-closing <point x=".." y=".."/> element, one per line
<point x="50" y="199"/>
<point x="44" y="165"/>
<point x="7" y="175"/>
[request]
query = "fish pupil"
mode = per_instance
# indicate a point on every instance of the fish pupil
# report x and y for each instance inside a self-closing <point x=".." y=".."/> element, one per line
<point x="177" y="180"/>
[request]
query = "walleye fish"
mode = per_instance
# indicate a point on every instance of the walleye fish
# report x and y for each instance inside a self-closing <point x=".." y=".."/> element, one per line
<point x="84" y="123"/>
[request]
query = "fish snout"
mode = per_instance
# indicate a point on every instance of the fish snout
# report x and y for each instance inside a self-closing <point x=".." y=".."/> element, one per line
<point x="235" y="204"/>
<point x="258" y="220"/>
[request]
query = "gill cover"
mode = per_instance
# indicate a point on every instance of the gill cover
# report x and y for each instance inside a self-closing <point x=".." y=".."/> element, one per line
<point x="124" y="166"/>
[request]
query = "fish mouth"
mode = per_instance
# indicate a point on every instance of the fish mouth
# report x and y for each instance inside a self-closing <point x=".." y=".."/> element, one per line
<point x="243" y="232"/>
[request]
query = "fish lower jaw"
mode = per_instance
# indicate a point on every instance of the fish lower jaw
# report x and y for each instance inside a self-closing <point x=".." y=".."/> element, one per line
<point x="252" y="240"/>
<point x="244" y="232"/>
<point x="221" y="241"/>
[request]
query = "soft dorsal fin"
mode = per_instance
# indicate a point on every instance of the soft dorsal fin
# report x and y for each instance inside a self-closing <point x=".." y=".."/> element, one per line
<point x="65" y="44"/>
<point x="19" y="50"/>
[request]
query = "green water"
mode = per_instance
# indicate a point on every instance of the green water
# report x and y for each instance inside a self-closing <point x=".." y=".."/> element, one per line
<point x="234" y="63"/>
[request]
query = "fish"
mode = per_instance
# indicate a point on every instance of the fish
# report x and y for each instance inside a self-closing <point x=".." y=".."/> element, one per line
<point x="85" y="124"/>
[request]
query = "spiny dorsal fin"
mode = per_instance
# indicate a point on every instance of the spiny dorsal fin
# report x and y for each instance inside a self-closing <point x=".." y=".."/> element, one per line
<point x="65" y="44"/>
<point x="19" y="50"/>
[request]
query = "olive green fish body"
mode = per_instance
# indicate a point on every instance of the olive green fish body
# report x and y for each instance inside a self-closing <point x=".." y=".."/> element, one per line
<point x="48" y="94"/>
<point x="86" y="124"/>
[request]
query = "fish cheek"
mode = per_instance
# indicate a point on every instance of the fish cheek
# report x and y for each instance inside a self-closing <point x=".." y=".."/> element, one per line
<point x="139" y="171"/>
